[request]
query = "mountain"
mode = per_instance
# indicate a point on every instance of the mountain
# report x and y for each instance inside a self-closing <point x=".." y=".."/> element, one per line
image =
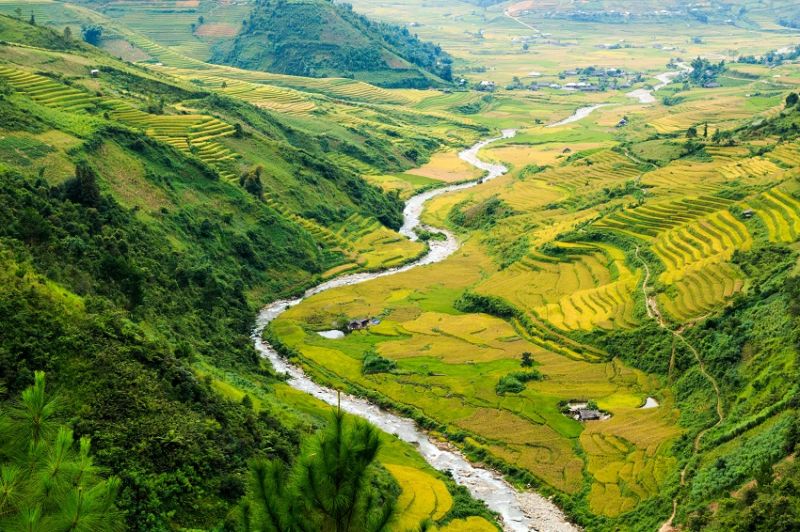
<point x="320" y="38"/>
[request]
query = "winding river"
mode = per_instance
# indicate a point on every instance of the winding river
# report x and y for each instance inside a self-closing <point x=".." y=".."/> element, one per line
<point x="579" y="114"/>
<point x="520" y="511"/>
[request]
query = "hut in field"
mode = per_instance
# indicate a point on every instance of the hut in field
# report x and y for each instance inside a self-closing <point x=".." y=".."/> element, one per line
<point x="586" y="414"/>
<point x="358" y="325"/>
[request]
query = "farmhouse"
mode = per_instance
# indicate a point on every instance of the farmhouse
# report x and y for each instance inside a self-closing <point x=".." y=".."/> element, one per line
<point x="585" y="414"/>
<point x="488" y="86"/>
<point x="94" y="73"/>
<point x="358" y="325"/>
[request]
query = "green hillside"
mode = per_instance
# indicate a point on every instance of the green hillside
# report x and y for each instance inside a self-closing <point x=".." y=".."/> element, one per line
<point x="319" y="38"/>
<point x="617" y="328"/>
<point x="144" y="221"/>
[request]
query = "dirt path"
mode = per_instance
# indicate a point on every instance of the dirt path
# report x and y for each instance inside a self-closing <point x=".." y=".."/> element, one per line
<point x="654" y="312"/>
<point x="518" y="21"/>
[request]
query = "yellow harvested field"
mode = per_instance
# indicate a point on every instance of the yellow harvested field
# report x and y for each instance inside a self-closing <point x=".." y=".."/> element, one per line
<point x="541" y="154"/>
<point x="626" y="456"/>
<point x="423" y="497"/>
<point x="592" y="288"/>
<point x="780" y="213"/>
<point x="447" y="167"/>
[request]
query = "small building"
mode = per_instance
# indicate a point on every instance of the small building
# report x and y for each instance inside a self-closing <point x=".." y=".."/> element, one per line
<point x="358" y="325"/>
<point x="486" y="85"/>
<point x="95" y="73"/>
<point x="747" y="214"/>
<point x="622" y="123"/>
<point x="585" y="414"/>
<point x="567" y="150"/>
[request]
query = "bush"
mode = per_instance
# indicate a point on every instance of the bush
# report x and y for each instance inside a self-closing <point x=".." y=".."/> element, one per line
<point x="515" y="382"/>
<point x="374" y="363"/>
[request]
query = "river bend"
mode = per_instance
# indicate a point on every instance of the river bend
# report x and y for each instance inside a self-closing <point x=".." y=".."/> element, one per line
<point x="520" y="511"/>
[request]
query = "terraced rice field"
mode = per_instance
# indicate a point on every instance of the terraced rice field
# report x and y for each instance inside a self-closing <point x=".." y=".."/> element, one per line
<point x="716" y="111"/>
<point x="750" y="168"/>
<point x="589" y="288"/>
<point x="594" y="170"/>
<point x="701" y="291"/>
<point x="339" y="88"/>
<point x="48" y="92"/>
<point x="268" y="96"/>
<point x="710" y="240"/>
<point x="780" y="213"/>
<point x="650" y="220"/>
<point x="627" y="459"/>
<point x="194" y="134"/>
<point x="694" y="238"/>
<point x="787" y="155"/>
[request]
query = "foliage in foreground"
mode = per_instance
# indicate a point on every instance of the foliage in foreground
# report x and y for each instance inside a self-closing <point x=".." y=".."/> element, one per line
<point x="46" y="483"/>
<point x="336" y="484"/>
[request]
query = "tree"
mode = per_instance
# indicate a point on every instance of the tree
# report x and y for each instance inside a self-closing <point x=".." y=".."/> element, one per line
<point x="792" y="99"/>
<point x="83" y="188"/>
<point x="32" y="20"/>
<point x="46" y="483"/>
<point x="705" y="130"/>
<point x="92" y="34"/>
<point x="335" y="485"/>
<point x="67" y="33"/>
<point x="251" y="181"/>
<point x="691" y="132"/>
<point x="527" y="360"/>
<point x="18" y="13"/>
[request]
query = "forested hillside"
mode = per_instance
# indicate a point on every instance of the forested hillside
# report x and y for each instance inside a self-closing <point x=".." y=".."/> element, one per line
<point x="320" y="38"/>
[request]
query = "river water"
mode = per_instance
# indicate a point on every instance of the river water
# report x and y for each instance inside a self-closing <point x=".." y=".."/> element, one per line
<point x="646" y="96"/>
<point x="579" y="114"/>
<point x="520" y="511"/>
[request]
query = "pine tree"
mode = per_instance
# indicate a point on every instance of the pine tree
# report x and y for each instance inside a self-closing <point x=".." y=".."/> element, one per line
<point x="336" y="485"/>
<point x="45" y="482"/>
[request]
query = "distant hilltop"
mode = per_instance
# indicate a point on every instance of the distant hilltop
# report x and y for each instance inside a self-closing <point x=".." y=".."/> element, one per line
<point x="319" y="38"/>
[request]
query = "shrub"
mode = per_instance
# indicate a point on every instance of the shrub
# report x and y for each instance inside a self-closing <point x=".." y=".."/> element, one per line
<point x="374" y="363"/>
